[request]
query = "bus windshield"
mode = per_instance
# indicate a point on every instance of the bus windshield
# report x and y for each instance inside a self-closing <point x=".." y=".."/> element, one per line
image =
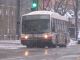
<point x="35" y="26"/>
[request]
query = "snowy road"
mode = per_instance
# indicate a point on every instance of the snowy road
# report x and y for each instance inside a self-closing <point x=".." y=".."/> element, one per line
<point x="71" y="53"/>
<point x="16" y="51"/>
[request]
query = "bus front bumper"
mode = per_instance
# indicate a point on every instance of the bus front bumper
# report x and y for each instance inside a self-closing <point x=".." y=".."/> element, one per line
<point x="26" y="42"/>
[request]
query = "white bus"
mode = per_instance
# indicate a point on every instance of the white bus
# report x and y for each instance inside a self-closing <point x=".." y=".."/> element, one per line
<point x="44" y="28"/>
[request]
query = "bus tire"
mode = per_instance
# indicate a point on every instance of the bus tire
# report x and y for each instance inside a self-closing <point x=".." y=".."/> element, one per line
<point x="52" y="46"/>
<point x="62" y="45"/>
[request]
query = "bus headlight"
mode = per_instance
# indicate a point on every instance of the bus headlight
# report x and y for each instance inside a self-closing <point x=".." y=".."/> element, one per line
<point x="26" y="37"/>
<point x="46" y="36"/>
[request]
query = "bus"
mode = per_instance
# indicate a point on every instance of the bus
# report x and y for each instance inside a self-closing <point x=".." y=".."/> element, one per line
<point x="44" y="28"/>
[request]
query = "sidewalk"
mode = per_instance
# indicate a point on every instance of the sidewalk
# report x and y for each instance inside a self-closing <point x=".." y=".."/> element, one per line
<point x="10" y="41"/>
<point x="10" y="44"/>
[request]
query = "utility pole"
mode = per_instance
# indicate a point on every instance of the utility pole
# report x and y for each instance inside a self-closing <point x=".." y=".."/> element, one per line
<point x="37" y="4"/>
<point x="18" y="19"/>
<point x="76" y="19"/>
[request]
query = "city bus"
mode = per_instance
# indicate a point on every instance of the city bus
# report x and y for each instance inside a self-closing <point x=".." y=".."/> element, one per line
<point x="44" y="28"/>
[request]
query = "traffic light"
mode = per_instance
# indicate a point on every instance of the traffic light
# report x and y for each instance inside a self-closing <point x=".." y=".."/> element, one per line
<point x="34" y="5"/>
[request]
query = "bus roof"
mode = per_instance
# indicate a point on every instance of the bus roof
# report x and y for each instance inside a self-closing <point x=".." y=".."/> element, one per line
<point x="53" y="14"/>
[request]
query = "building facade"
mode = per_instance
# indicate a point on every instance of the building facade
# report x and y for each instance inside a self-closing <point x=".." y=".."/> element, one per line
<point x="7" y="19"/>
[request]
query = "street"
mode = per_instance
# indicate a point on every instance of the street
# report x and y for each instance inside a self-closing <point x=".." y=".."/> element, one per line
<point x="39" y="29"/>
<point x="23" y="53"/>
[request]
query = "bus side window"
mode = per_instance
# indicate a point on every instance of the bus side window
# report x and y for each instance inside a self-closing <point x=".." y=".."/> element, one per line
<point x="53" y="25"/>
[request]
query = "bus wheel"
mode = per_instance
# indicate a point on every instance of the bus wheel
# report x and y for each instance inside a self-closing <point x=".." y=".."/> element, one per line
<point x="54" y="46"/>
<point x="51" y="46"/>
<point x="62" y="45"/>
<point x="29" y="46"/>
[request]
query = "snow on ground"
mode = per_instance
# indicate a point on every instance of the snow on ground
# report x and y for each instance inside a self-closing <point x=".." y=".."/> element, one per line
<point x="16" y="44"/>
<point x="10" y="41"/>
<point x="72" y="42"/>
<point x="10" y="44"/>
